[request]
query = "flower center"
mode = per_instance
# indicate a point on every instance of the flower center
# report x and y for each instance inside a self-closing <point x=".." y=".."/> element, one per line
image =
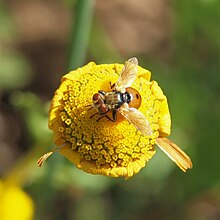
<point x="115" y="144"/>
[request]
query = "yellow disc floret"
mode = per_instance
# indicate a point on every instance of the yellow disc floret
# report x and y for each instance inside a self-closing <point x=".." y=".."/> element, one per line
<point x="105" y="147"/>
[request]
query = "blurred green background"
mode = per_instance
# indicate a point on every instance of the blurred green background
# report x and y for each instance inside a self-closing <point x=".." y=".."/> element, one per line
<point x="178" y="41"/>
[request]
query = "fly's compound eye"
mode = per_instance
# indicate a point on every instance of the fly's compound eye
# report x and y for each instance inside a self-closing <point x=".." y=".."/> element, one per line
<point x="96" y="97"/>
<point x="103" y="109"/>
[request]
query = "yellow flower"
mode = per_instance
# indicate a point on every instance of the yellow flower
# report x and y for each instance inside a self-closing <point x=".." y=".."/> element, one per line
<point x="105" y="147"/>
<point x="14" y="203"/>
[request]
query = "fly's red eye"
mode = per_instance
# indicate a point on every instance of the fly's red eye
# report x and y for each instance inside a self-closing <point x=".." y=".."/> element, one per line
<point x="96" y="97"/>
<point x="103" y="109"/>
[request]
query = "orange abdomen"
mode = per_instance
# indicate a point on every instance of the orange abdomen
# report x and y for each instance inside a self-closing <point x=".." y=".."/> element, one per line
<point x="135" y="98"/>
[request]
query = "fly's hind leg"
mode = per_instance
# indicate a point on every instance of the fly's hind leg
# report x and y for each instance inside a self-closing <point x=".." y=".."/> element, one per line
<point x="114" y="115"/>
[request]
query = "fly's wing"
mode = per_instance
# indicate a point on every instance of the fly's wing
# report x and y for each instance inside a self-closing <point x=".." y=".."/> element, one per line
<point x="128" y="75"/>
<point x="136" y="118"/>
<point x="174" y="153"/>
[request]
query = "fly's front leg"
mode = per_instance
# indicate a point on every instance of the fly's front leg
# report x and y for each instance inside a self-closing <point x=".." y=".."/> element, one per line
<point x="113" y="119"/>
<point x="106" y="116"/>
<point x="94" y="114"/>
<point x="112" y="85"/>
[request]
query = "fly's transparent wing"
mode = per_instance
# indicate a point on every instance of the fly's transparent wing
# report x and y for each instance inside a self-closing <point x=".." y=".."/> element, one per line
<point x="128" y="75"/>
<point x="136" y="118"/>
<point x="174" y="153"/>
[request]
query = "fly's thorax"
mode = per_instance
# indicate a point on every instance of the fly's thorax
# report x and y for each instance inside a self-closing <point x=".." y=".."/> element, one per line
<point x="114" y="99"/>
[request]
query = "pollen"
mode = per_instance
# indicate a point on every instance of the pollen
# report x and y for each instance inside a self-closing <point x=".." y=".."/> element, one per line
<point x="102" y="146"/>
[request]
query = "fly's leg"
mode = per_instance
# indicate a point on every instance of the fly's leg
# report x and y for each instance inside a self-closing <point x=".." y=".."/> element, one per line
<point x="114" y="115"/>
<point x="94" y="114"/>
<point x="91" y="107"/>
<point x="106" y="116"/>
<point x="112" y="85"/>
<point x="113" y="119"/>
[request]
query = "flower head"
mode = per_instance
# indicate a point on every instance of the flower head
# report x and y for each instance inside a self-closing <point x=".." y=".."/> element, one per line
<point x="14" y="203"/>
<point x="100" y="146"/>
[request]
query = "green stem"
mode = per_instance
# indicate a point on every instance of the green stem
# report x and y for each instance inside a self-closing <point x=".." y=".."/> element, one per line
<point x="24" y="168"/>
<point x="81" y="33"/>
<point x="101" y="46"/>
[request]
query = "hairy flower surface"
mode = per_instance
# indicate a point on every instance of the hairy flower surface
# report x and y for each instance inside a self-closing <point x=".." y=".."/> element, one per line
<point x="105" y="147"/>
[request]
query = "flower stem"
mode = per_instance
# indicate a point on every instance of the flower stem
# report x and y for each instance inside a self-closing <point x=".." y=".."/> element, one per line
<point x="81" y="33"/>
